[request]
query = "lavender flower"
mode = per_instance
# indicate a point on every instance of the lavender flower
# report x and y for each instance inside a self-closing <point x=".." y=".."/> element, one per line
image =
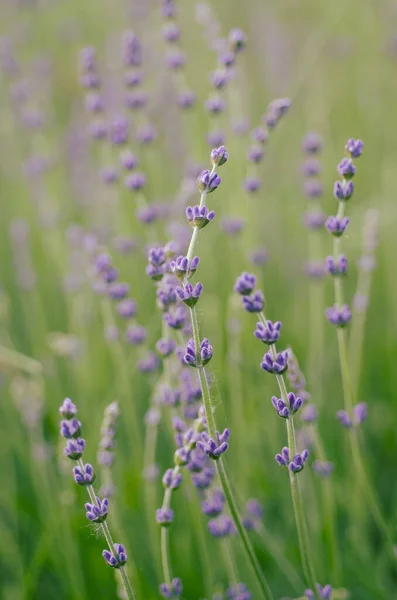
<point x="182" y="268"/>
<point x="213" y="448"/>
<point x="135" y="334"/>
<point x="74" y="448"/>
<point x="245" y="284"/>
<point x="97" y="513"/>
<point x="360" y="413"/>
<point x="165" y="347"/>
<point x="283" y="409"/>
<point x="199" y="217"/>
<point x="155" y="269"/>
<point x="309" y="414"/>
<point x="354" y="148"/>
<point x="296" y="464"/>
<point x="277" y="364"/>
<point x="346" y="168"/>
<point x="214" y="505"/>
<point x="339" y="316"/>
<point x="190" y="294"/>
<point x="343" y="190"/>
<point x="337" y="226"/>
<point x="252" y="184"/>
<point x="164" y="516"/>
<point x="237" y="40"/>
<point x="84" y="475"/>
<point x="135" y="182"/>
<point x="336" y="266"/>
<point x="171" y="591"/>
<point x="172" y="480"/>
<point x="254" y="303"/>
<point x="221" y="527"/>
<point x="68" y="410"/>
<point x="325" y="592"/>
<point x="268" y="333"/>
<point x="344" y="418"/>
<point x="323" y="468"/>
<point x="192" y="358"/>
<point x="207" y="182"/>
<point x="176" y="319"/>
<point x="116" y="559"/>
<point x="312" y="143"/>
<point x="71" y="429"/>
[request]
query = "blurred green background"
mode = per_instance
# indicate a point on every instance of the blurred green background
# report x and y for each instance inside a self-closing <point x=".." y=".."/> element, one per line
<point x="337" y="63"/>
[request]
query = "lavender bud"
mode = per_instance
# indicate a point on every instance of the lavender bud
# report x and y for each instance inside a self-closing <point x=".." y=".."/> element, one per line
<point x="215" y="138"/>
<point x="344" y="418"/>
<point x="164" y="516"/>
<point x="135" y="334"/>
<point x="323" y="468"/>
<point x="68" y="410"/>
<point x="309" y="414"/>
<point x="245" y="284"/>
<point x="165" y="347"/>
<point x="311" y="167"/>
<point x="186" y="99"/>
<point x="346" y="168"/>
<point x="254" y="303"/>
<point x="325" y="593"/>
<point x="252" y="184"/>
<point x="97" y="513"/>
<point x="337" y="315"/>
<point x="314" y="219"/>
<point x="135" y="182"/>
<point x="255" y="154"/>
<point x="277" y="366"/>
<point x="74" y="448"/>
<point x="199" y="217"/>
<point x="343" y="190"/>
<point x="237" y="40"/>
<point x="219" y="78"/>
<point x="213" y="448"/>
<point x="71" y="429"/>
<point x="260" y="135"/>
<point x="215" y="105"/>
<point x="312" y="143"/>
<point x="176" y="319"/>
<point x="128" y="160"/>
<point x="207" y="182"/>
<point x="337" y="266"/>
<point x="313" y="188"/>
<point x="118" y="559"/>
<point x="219" y="156"/>
<point x="336" y="226"/>
<point x="127" y="308"/>
<point x="84" y="476"/>
<point x="354" y="147"/>
<point x="172" y="480"/>
<point x="171" y="32"/>
<point x="360" y="413"/>
<point x="131" y="49"/>
<point x="190" y="294"/>
<point x="182" y="268"/>
<point x="268" y="333"/>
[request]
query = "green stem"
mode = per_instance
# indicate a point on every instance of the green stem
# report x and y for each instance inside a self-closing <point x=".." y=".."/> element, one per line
<point x="165" y="546"/>
<point x="225" y="484"/>
<point x="108" y="537"/>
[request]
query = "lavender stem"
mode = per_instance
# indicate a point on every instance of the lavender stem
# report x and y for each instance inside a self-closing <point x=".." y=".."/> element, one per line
<point x="226" y="488"/>
<point x="106" y="532"/>
<point x="304" y="545"/>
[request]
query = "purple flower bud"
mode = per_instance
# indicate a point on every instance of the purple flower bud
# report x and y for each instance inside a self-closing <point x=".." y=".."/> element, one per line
<point x="314" y="219"/>
<point x="165" y="347"/>
<point x="118" y="290"/>
<point x="164" y="516"/>
<point x="127" y="308"/>
<point x="207" y="182"/>
<point x="109" y="175"/>
<point x="259" y="256"/>
<point x="346" y="168"/>
<point x="254" y="303"/>
<point x="344" y="418"/>
<point x="214" y="505"/>
<point x="146" y="134"/>
<point x="354" y="147"/>
<point x="219" y="156"/>
<point x="94" y="103"/>
<point x="221" y="527"/>
<point x="360" y="413"/>
<point x="298" y="462"/>
<point x="213" y="448"/>
<point x="71" y="429"/>
<point x="255" y="154"/>
<point x="252" y="184"/>
<point x="325" y="593"/>
<point x="148" y="363"/>
<point x="131" y="49"/>
<point x="323" y="468"/>
<point x="132" y="78"/>
<point x="74" y="448"/>
<point x="283" y="457"/>
<point x="118" y="131"/>
<point x="219" y="78"/>
<point x="336" y="266"/>
<point x="343" y="190"/>
<point x="186" y="99"/>
<point x="176" y="319"/>
<point x="309" y="414"/>
<point x="237" y="40"/>
<point x="135" y="100"/>
<point x="311" y="167"/>
<point x="254" y="508"/>
<point x="245" y="284"/>
<point x="277" y="365"/>
<point x="97" y="513"/>
<point x="216" y="138"/>
<point x="172" y="480"/>
<point x="182" y="268"/>
<point x="192" y="359"/>
<point x="118" y="559"/>
<point x="336" y="226"/>
<point x="171" y="32"/>
<point x="260" y="135"/>
<point x="190" y="294"/>
<point x="268" y="333"/>
<point x="175" y="60"/>
<point x="227" y="59"/>
<point x="68" y="410"/>
<point x="199" y="217"/>
<point x="315" y="269"/>
<point x="135" y="181"/>
<point x="215" y="105"/>
<point x="232" y="225"/>
<point x="128" y="160"/>
<point x="312" y="143"/>
<point x="135" y="334"/>
<point x="84" y="476"/>
<point x="313" y="188"/>
<point x="337" y="315"/>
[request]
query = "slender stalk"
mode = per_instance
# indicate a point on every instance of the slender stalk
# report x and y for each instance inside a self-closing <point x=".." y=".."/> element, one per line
<point x="165" y="546"/>
<point x="349" y="400"/>
<point x="108" y="537"/>
<point x="303" y="538"/>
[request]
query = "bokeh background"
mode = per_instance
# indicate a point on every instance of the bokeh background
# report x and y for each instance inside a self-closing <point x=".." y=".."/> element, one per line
<point x="337" y="63"/>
